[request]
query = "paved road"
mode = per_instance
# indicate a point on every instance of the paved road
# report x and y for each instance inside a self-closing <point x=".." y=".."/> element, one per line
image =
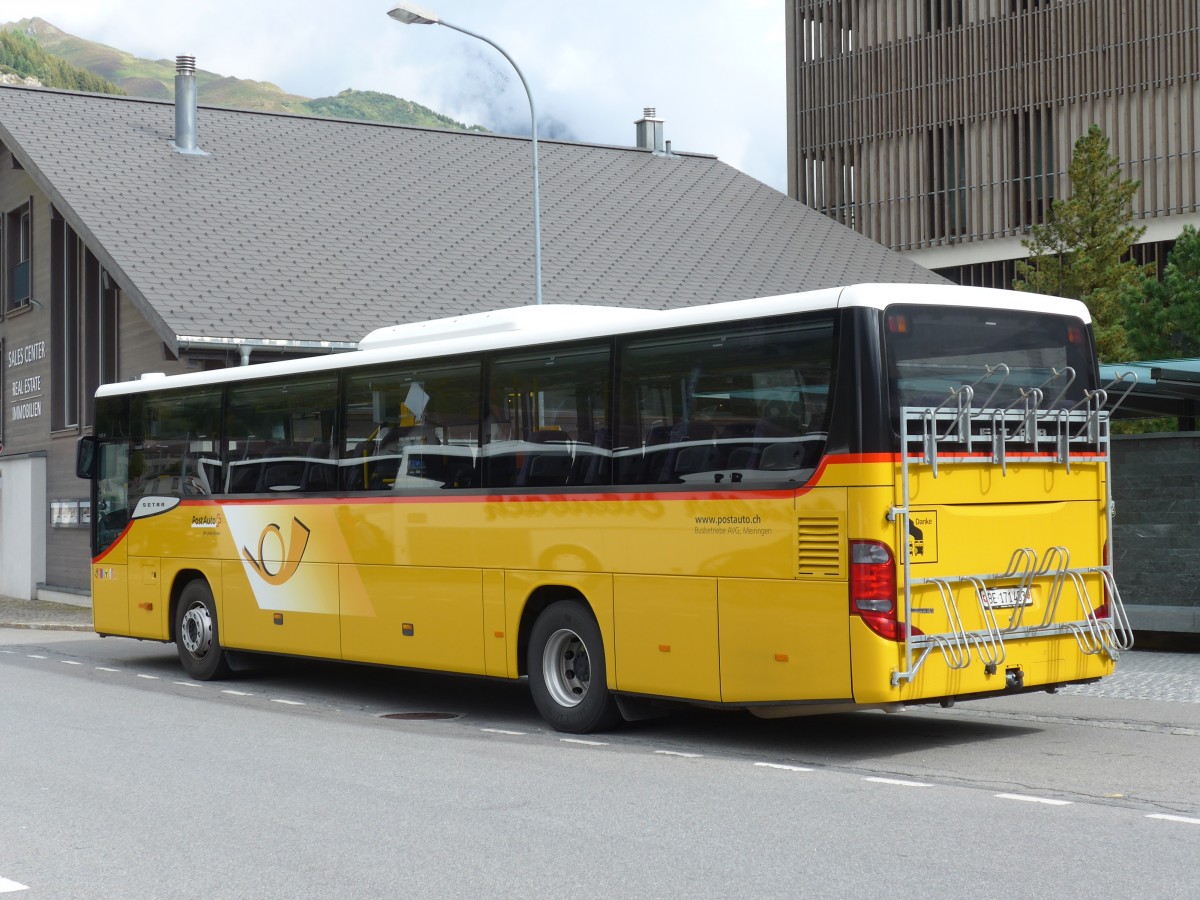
<point x="124" y="778"/>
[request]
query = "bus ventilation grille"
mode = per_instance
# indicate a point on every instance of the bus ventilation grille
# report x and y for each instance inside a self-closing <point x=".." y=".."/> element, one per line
<point x="819" y="542"/>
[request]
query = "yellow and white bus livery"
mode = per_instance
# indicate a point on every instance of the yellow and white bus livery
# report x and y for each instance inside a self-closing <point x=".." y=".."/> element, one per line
<point x="863" y="497"/>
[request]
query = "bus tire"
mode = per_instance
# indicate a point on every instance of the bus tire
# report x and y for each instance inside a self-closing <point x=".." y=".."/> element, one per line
<point x="567" y="673"/>
<point x="196" y="636"/>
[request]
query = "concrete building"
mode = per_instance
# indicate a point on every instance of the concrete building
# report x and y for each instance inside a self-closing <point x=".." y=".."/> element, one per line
<point x="944" y="128"/>
<point x="135" y="239"/>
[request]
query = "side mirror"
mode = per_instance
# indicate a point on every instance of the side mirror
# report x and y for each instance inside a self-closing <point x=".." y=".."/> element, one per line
<point x="85" y="457"/>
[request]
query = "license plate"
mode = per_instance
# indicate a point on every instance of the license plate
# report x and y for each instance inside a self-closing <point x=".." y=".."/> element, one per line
<point x="1007" y="598"/>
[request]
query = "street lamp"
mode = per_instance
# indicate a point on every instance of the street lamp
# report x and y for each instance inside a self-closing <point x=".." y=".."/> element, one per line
<point x="412" y="14"/>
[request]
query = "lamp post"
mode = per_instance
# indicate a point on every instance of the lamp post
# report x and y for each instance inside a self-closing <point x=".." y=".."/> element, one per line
<point x="412" y="14"/>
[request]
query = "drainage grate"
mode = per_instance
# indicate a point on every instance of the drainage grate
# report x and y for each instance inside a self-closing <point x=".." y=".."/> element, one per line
<point x="421" y="716"/>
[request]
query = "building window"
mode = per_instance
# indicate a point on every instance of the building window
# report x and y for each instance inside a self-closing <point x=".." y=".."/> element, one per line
<point x="1033" y="152"/>
<point x="947" y="178"/>
<point x="64" y="324"/>
<point x="18" y="243"/>
<point x="83" y="324"/>
<point x="940" y="14"/>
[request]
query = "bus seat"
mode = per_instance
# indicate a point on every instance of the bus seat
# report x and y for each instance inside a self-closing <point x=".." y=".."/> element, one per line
<point x="787" y="455"/>
<point x="320" y="472"/>
<point x="743" y="458"/>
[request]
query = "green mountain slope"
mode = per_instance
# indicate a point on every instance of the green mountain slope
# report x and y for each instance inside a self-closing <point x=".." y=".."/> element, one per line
<point x="156" y="79"/>
<point x="22" y="55"/>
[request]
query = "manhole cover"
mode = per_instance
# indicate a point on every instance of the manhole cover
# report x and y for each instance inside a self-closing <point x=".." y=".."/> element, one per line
<point x="422" y="716"/>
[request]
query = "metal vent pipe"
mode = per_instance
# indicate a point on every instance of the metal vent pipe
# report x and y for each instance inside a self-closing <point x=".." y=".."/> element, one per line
<point x="650" y="130"/>
<point x="185" y="104"/>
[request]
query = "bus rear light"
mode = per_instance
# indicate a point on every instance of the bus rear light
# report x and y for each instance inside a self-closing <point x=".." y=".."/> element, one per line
<point x="873" y="589"/>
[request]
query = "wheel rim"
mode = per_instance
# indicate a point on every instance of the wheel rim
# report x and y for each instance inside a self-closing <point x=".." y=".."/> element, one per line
<point x="566" y="668"/>
<point x="197" y="631"/>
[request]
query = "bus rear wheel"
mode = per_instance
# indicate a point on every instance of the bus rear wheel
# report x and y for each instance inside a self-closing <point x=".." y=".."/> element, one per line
<point x="567" y="674"/>
<point x="196" y="633"/>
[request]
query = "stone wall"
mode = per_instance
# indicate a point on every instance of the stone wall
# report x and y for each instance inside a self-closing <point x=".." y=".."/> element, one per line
<point x="1156" y="488"/>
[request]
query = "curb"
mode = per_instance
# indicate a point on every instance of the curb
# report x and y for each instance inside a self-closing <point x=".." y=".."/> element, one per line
<point x="46" y="626"/>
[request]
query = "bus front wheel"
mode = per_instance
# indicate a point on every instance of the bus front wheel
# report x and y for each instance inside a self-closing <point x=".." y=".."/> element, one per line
<point x="196" y="633"/>
<point x="567" y="674"/>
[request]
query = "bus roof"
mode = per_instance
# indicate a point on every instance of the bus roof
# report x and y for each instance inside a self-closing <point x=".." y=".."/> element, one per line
<point x="534" y="325"/>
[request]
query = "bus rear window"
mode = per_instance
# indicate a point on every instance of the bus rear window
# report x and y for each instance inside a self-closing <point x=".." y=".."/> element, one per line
<point x="933" y="351"/>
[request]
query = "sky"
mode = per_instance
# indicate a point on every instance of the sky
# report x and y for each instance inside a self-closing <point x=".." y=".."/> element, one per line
<point x="713" y="69"/>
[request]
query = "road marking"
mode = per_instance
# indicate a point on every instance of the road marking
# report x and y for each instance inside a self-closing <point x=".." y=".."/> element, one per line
<point x="286" y="702"/>
<point x="35" y="656"/>
<point x="7" y="886"/>
<point x="106" y="669"/>
<point x="783" y="767"/>
<point x="1168" y="818"/>
<point x="237" y="693"/>
<point x="8" y="651"/>
<point x="1047" y="800"/>
<point x="70" y="662"/>
<point x="677" y="753"/>
<point x="582" y="741"/>
<point x="188" y="683"/>
<point x="899" y="781"/>
<point x="502" y="731"/>
<point x="148" y="677"/>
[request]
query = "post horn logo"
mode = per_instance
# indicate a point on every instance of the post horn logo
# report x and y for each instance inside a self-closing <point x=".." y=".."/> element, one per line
<point x="292" y="552"/>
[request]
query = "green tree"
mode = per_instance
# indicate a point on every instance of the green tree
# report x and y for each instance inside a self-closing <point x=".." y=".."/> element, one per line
<point x="1165" y="322"/>
<point x="23" y="55"/>
<point x="1081" y="251"/>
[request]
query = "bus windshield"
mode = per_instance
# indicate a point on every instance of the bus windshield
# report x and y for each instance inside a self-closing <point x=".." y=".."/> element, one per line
<point x="932" y="351"/>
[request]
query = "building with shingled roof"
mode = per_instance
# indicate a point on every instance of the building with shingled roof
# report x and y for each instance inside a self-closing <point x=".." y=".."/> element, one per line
<point x="284" y="235"/>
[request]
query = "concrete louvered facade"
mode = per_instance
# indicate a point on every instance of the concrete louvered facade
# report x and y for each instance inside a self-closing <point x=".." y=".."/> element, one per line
<point x="944" y="128"/>
<point x="295" y="235"/>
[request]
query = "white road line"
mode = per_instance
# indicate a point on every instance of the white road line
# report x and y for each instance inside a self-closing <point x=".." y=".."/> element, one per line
<point x="503" y="731"/>
<point x="899" y="781"/>
<point x="70" y="662"/>
<point x="582" y="741"/>
<point x="783" y="767"/>
<point x="7" y="886"/>
<point x="8" y="651"/>
<point x="188" y="683"/>
<point x="1168" y="818"/>
<point x="148" y="677"/>
<point x="237" y="693"/>
<point x="677" y="753"/>
<point x="1047" y="800"/>
<point x="106" y="669"/>
<point x="35" y="656"/>
<point x="286" y="702"/>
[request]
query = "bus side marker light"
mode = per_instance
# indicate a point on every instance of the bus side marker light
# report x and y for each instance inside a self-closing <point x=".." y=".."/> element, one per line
<point x="499" y="634"/>
<point x="148" y="607"/>
<point x="781" y="657"/>
<point x="406" y="629"/>
<point x="278" y="618"/>
<point x="665" y="648"/>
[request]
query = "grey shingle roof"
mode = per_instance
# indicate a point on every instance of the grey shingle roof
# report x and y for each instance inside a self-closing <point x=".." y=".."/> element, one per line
<point x="302" y="229"/>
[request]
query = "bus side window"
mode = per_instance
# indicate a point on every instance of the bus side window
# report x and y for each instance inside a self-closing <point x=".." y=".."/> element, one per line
<point x="727" y="405"/>
<point x="411" y="427"/>
<point x="548" y="418"/>
<point x="279" y="434"/>
<point x="178" y="452"/>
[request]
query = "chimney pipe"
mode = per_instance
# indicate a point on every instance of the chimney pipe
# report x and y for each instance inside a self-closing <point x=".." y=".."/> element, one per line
<point x="650" y="131"/>
<point x="185" y="105"/>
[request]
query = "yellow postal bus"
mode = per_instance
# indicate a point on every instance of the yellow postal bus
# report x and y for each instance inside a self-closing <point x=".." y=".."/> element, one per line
<point x="855" y="498"/>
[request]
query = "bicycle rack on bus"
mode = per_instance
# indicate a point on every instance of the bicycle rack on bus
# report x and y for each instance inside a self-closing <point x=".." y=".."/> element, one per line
<point x="1028" y="431"/>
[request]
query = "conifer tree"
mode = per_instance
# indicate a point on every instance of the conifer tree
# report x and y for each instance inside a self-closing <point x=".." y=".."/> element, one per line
<point x="1165" y="324"/>
<point x="1080" y="250"/>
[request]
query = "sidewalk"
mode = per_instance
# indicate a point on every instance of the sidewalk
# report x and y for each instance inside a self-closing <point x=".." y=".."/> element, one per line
<point x="43" y="614"/>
